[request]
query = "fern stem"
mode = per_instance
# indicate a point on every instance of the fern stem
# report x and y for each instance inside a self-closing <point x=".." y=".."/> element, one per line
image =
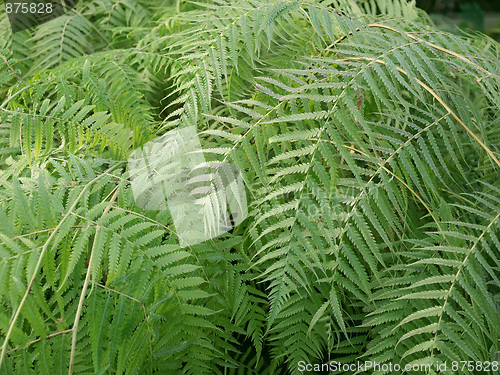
<point x="455" y="278"/>
<point x="413" y="192"/>
<point x="382" y="167"/>
<point x="37" y="232"/>
<point x="13" y="96"/>
<point x="440" y="100"/>
<point x="84" y="288"/>
<point x="12" y="69"/>
<point x="124" y="295"/>
<point x="439" y="48"/>
<point x="41" y="339"/>
<point x="39" y="263"/>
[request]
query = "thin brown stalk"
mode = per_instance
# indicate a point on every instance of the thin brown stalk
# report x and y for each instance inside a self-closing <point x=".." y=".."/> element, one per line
<point x="85" y="286"/>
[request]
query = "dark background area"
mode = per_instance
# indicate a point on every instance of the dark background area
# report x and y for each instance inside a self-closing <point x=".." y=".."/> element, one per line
<point x="454" y="5"/>
<point x="469" y="15"/>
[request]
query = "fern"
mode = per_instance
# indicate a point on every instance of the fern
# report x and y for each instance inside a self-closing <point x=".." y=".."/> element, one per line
<point x="368" y="142"/>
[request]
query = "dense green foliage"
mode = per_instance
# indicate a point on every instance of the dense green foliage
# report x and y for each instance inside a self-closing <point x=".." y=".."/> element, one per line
<point x="369" y="144"/>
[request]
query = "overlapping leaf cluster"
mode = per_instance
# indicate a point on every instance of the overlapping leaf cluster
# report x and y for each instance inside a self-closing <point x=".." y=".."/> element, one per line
<point x="369" y="145"/>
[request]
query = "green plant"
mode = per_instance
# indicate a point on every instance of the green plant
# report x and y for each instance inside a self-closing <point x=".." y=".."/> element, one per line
<point x="369" y="147"/>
